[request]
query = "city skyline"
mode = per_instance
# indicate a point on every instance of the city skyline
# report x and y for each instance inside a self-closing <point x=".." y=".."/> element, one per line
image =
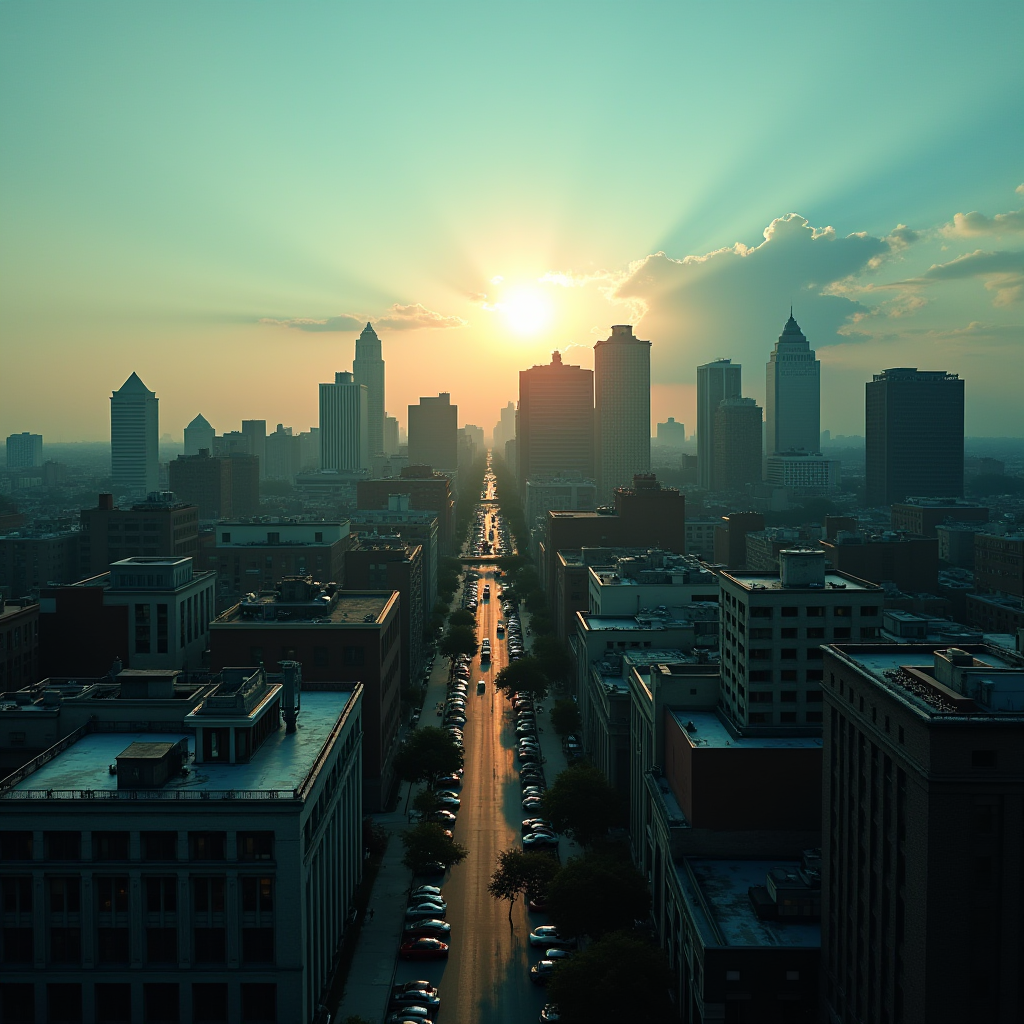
<point x="178" y="236"/>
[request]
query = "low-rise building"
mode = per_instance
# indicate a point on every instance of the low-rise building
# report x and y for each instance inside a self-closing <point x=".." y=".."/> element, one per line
<point x="426" y="489"/>
<point x="19" y="643"/>
<point x="33" y="559"/>
<point x="956" y="543"/>
<point x="911" y="563"/>
<point x="920" y="516"/>
<point x="999" y="563"/>
<point x="700" y="537"/>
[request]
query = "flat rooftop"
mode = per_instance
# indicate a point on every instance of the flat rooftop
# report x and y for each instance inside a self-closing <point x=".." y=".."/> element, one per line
<point x="710" y="731"/>
<point x="281" y="763"/>
<point x="718" y="891"/>
<point x="834" y="581"/>
<point x="347" y="607"/>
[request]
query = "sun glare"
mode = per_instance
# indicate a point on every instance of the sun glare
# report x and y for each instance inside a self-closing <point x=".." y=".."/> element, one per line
<point x="526" y="310"/>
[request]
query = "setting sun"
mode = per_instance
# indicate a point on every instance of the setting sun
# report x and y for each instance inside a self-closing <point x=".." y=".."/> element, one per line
<point x="526" y="310"/>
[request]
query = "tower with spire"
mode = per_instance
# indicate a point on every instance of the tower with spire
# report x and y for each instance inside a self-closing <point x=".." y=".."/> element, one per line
<point x="792" y="393"/>
<point x="368" y="369"/>
<point x="134" y="436"/>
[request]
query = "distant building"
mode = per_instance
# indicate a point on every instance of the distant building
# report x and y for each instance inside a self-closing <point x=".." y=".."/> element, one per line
<point x="344" y="425"/>
<point x="922" y="794"/>
<point x="715" y="381"/>
<point x="803" y="473"/>
<point x="914" y="435"/>
<point x="283" y="458"/>
<point x="390" y="435"/>
<point x="426" y="490"/>
<point x="505" y="428"/>
<point x="731" y="537"/>
<point x="256" y="431"/>
<point x="134" y="437"/>
<point x="559" y="493"/>
<point x="921" y="516"/>
<point x="309" y="447"/>
<point x="622" y="409"/>
<point x="911" y="563"/>
<point x="368" y="370"/>
<point x="738" y="433"/>
<point x="232" y="442"/>
<point x="221" y="487"/>
<point x="671" y="434"/>
<point x="19" y="644"/>
<point x="199" y="434"/>
<point x="24" y="451"/>
<point x="700" y="537"/>
<point x="792" y="394"/>
<point x="956" y="542"/>
<point x="433" y="433"/>
<point x="32" y="559"/>
<point x="999" y="563"/>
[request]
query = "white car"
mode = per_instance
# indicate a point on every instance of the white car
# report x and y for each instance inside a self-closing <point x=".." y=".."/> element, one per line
<point x="546" y="935"/>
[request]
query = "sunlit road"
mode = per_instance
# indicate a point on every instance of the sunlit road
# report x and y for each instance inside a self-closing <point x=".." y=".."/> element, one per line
<point x="486" y="978"/>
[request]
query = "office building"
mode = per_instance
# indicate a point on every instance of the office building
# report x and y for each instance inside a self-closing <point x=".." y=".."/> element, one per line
<point x="555" y="424"/>
<point x="737" y="425"/>
<point x="283" y="455"/>
<point x="434" y="433"/>
<point x="134" y="435"/>
<point x="622" y="409"/>
<point x="426" y="491"/>
<point x="390" y="435"/>
<point x="199" y="434"/>
<point x="368" y="370"/>
<point x="31" y="559"/>
<point x="256" y="431"/>
<point x="203" y="870"/>
<point x="923" y="821"/>
<point x="999" y="563"/>
<point x="921" y="516"/>
<point x="716" y="381"/>
<point x="232" y="442"/>
<point x="803" y="473"/>
<point x="309" y="447"/>
<point x="221" y="486"/>
<point x="914" y="435"/>
<point x="956" y="542"/>
<point x="730" y="544"/>
<point x="910" y="563"/>
<point x="24" y="451"/>
<point x="792" y="394"/>
<point x="19" y="644"/>
<point x="671" y="434"/>
<point x="543" y="496"/>
<point x="344" y="425"/>
<point x="773" y="626"/>
<point x="505" y="428"/>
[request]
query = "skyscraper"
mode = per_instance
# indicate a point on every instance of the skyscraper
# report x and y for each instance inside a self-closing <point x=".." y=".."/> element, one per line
<point x="737" y="444"/>
<point x="715" y="381"/>
<point x="555" y="427"/>
<point x="504" y="429"/>
<point x="793" y="393"/>
<point x="672" y="434"/>
<point x="622" y="409"/>
<point x="390" y="435"/>
<point x="24" y="451"/>
<point x="914" y="435"/>
<point x="134" y="434"/>
<point x="434" y="433"/>
<point x="256" y="431"/>
<point x="199" y="434"/>
<point x="368" y="370"/>
<point x="344" y="440"/>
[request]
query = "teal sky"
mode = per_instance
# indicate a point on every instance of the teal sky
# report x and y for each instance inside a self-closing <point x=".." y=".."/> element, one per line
<point x="215" y="194"/>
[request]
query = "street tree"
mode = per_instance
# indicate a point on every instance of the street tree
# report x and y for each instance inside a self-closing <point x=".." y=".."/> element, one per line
<point x="565" y="717"/>
<point x="462" y="617"/>
<point x="619" y="979"/>
<point x="553" y="658"/>
<point x="581" y="804"/>
<point x="522" y="676"/>
<point x="520" y="872"/>
<point x="458" y="640"/>
<point x="426" y="752"/>
<point x="598" y="893"/>
<point x="427" y="844"/>
<point x="425" y="801"/>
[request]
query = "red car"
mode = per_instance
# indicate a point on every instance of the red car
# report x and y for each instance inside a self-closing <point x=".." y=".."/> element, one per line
<point x="424" y="948"/>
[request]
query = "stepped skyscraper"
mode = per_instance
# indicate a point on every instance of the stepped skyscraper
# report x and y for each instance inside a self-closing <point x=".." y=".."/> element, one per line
<point x="793" y="393"/>
<point x="134" y="434"/>
<point x="368" y="369"/>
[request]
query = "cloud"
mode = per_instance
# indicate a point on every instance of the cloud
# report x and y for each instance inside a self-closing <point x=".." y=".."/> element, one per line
<point x="967" y="225"/>
<point x="1003" y="271"/>
<point x="345" y="322"/>
<point x="397" y="318"/>
<point x="901" y="236"/>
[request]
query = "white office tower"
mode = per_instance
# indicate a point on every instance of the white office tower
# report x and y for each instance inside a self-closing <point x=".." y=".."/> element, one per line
<point x="199" y="434"/>
<point x="24" y="451"/>
<point x="344" y="434"/>
<point x="622" y="410"/>
<point x="134" y="433"/>
<point x="716" y="381"/>
<point x="793" y="394"/>
<point x="368" y="370"/>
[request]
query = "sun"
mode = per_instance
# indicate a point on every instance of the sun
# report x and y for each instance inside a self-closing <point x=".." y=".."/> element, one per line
<point x="527" y="311"/>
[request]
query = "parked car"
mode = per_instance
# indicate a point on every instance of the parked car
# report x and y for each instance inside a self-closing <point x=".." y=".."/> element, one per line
<point x="540" y="973"/>
<point x="443" y="817"/>
<point x="449" y="781"/>
<point x="414" y="997"/>
<point x="449" y="801"/>
<point x="433" y="927"/>
<point x="533" y="840"/>
<point x="532" y="824"/>
<point x="415" y="986"/>
<point x="547" y="935"/>
<point x="425" y="892"/>
<point x="423" y="948"/>
<point x="549" y="1015"/>
<point x="425" y="911"/>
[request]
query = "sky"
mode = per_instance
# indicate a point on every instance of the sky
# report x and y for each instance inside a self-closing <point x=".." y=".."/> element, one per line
<point x="219" y="195"/>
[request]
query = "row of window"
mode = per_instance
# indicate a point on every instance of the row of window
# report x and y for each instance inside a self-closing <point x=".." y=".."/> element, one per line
<point x="153" y="846"/>
<point x="839" y="611"/>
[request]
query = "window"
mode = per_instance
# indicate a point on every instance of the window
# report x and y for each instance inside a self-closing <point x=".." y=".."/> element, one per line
<point x="161" y="895"/>
<point x="110" y="845"/>
<point x="760" y="613"/>
<point x="256" y="655"/>
<point x="789" y="612"/>
<point x="815" y="654"/>
<point x="210" y="1003"/>
<point x="787" y="716"/>
<point x="15" y="845"/>
<point x="760" y="634"/>
<point x="761" y="698"/>
<point x="210" y="945"/>
<point x="17" y="895"/>
<point x="259" y="1003"/>
<point x="208" y="895"/>
<point x="841" y="633"/>
<point x="160" y="1003"/>
<point x="161" y="628"/>
<point x="788" y="696"/>
<point x="788" y="653"/>
<point x="813" y="696"/>
<point x="17" y="1003"/>
<point x="161" y="945"/>
<point x="159" y="845"/>
<point x="225" y="538"/>
<point x="842" y="611"/>
<point x="112" y="895"/>
<point x="255" y="845"/>
<point x="815" y="611"/>
<point x="63" y="1003"/>
<point x="65" y="945"/>
<point x="788" y="634"/>
<point x="18" y="946"/>
<point x="979" y="758"/>
<point x="112" y="945"/>
<point x="760" y="676"/>
<point x="353" y="655"/>
<point x="869" y="609"/>
<point x="814" y="675"/>
<point x="257" y="895"/>
<point x="62" y="845"/>
<point x="142" y="629"/>
<point x="257" y="945"/>
<point x="813" y="716"/>
<point x="113" y="1003"/>
<point x="207" y="845"/>
<point x="732" y="975"/>
<point x="815" y="632"/>
<point x="983" y="819"/>
<point x="64" y="895"/>
<point x="788" y="675"/>
<point x="760" y="654"/>
<point x="318" y="537"/>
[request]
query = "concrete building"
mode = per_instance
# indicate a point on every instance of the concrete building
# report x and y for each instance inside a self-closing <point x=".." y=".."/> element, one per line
<point x="368" y="370"/>
<point x="804" y="473"/>
<point x="671" y="434"/>
<point x="999" y="563"/>
<point x="256" y="432"/>
<point x="232" y="442"/>
<point x="201" y="871"/>
<point x="772" y="630"/>
<point x="344" y="425"/>
<point x="219" y="486"/>
<point x="283" y="455"/>
<point x="555" y="422"/>
<point x="199" y="434"/>
<point x="716" y="381"/>
<point x="738" y="432"/>
<point x="921" y="516"/>
<point x="19" y="644"/>
<point x="765" y="546"/>
<point x="700" y="537"/>
<point x="32" y="559"/>
<point x="434" y="433"/>
<point x="911" y="563"/>
<point x="923" y="795"/>
<point x="505" y="429"/>
<point x="994" y="612"/>
<point x="347" y="636"/>
<point x="622" y="409"/>
<point x="956" y="543"/>
<point x="639" y="583"/>
<point x="426" y="490"/>
<point x="134" y="437"/>
<point x="543" y="496"/>
<point x="309" y="449"/>
<point x="792" y="394"/>
<point x="390" y="435"/>
<point x="731" y="537"/>
<point x="914" y="434"/>
<point x="24" y="451"/>
<point x="160" y="526"/>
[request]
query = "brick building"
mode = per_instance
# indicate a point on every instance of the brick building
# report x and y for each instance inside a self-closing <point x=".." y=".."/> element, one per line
<point x="30" y="560"/>
<point x="222" y="486"/>
<point x="999" y="563"/>
<point x="426" y="489"/>
<point x="731" y="537"/>
<point x="920" y="516"/>
<point x="19" y="644"/>
<point x="911" y="563"/>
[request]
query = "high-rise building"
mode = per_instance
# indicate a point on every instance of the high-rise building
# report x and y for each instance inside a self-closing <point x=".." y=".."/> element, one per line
<point x="310" y="448"/>
<point x="715" y="381"/>
<point x="390" y="435"/>
<point x="505" y="429"/>
<point x="737" y="423"/>
<point x="792" y="393"/>
<point x="914" y="435"/>
<point x="199" y="434"/>
<point x="134" y="435"/>
<point x="283" y="451"/>
<point x="256" y="431"/>
<point x="368" y="369"/>
<point x="344" y="430"/>
<point x="555" y="424"/>
<point x="672" y="434"/>
<point x="434" y="433"/>
<point x="24" y="451"/>
<point x="622" y="409"/>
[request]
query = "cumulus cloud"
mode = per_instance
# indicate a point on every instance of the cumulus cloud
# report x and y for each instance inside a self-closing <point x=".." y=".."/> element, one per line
<point x="397" y="318"/>
<point x="967" y="225"/>
<point x="1003" y="273"/>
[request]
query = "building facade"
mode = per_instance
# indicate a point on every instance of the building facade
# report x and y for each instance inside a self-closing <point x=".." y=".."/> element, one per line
<point x="434" y="433"/>
<point x="24" y="451"/>
<point x="344" y="425"/>
<point x="134" y="437"/>
<point x="368" y="370"/>
<point x="803" y="473"/>
<point x="19" y="644"/>
<point x="716" y="381"/>
<point x="738" y="430"/>
<point x="199" y="434"/>
<point x="792" y="394"/>
<point x="671" y="434"/>
<point x="219" y="486"/>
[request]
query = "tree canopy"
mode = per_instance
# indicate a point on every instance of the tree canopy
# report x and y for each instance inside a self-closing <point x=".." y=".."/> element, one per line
<point x="596" y="894"/>
<point x="427" y="843"/>
<point x="565" y="717"/>
<point x="458" y="640"/>
<point x="519" y="872"/>
<point x="462" y="617"/>
<point x="620" y="979"/>
<point x="553" y="658"/>
<point x="581" y="804"/>
<point x="522" y="676"/>
<point x="426" y="752"/>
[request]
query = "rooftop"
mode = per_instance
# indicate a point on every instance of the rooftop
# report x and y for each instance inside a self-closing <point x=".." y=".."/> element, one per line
<point x="771" y="581"/>
<point x="706" y="729"/>
<point x="279" y="766"/>
<point x="316" y="606"/>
